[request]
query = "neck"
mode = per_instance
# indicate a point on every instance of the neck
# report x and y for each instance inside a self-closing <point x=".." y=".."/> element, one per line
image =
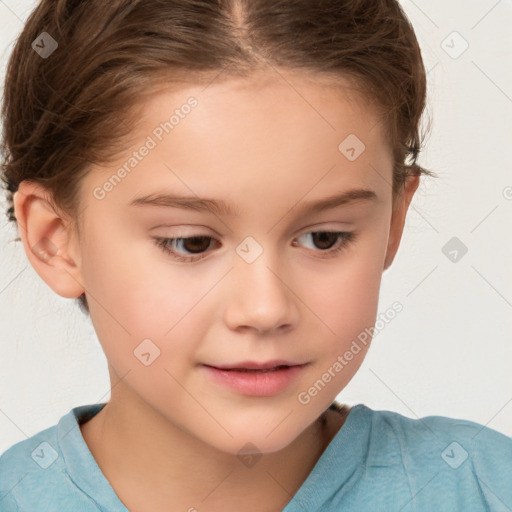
<point x="148" y="472"/>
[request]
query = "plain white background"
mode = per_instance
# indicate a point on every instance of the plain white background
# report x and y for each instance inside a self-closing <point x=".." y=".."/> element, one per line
<point x="447" y="353"/>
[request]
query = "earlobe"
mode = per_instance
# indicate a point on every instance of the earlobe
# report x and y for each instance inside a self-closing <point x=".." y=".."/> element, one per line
<point x="398" y="218"/>
<point x="47" y="240"/>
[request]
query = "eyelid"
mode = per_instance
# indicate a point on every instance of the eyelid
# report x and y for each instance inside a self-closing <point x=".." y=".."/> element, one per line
<point x="317" y="226"/>
<point x="195" y="230"/>
<point x="327" y="226"/>
<point x="343" y="240"/>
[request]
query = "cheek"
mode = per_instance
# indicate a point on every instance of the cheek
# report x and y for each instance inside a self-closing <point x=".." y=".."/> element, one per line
<point x="166" y="304"/>
<point x="134" y="295"/>
<point x="351" y="309"/>
<point x="354" y="278"/>
<point x="347" y="309"/>
<point x="347" y="303"/>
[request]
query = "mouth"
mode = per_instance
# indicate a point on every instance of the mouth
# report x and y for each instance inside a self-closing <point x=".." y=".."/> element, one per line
<point x="256" y="379"/>
<point x="253" y="366"/>
<point x="257" y="370"/>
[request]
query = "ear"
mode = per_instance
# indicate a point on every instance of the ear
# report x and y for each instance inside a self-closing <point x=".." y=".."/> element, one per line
<point x="398" y="217"/>
<point x="49" y="240"/>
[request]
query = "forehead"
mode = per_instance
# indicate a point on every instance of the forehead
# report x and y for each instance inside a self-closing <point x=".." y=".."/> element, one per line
<point x="302" y="103"/>
<point x="279" y="130"/>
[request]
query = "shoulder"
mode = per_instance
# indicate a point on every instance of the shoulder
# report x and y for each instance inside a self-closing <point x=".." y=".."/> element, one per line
<point x="420" y="433"/>
<point x="31" y="463"/>
<point x="32" y="467"/>
<point x="441" y="454"/>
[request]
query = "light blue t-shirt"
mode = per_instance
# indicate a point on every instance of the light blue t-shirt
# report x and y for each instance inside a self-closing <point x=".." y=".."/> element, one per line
<point x="378" y="461"/>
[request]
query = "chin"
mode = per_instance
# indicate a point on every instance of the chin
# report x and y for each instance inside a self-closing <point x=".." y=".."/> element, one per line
<point x="254" y="441"/>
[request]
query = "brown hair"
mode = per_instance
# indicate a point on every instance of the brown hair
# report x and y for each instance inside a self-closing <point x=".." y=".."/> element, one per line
<point x="75" y="107"/>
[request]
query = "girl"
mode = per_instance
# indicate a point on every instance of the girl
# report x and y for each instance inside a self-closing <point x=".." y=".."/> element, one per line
<point x="221" y="185"/>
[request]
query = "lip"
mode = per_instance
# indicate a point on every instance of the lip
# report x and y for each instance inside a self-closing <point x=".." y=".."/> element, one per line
<point x="254" y="365"/>
<point x="273" y="378"/>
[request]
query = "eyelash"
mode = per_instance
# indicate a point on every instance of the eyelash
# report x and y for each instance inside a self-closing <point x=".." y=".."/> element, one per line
<point x="346" y="237"/>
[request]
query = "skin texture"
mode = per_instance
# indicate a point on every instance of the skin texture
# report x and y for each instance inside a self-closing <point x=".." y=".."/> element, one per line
<point x="169" y="434"/>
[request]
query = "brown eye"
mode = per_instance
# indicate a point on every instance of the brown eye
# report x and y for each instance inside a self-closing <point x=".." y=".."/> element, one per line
<point x="190" y="246"/>
<point x="325" y="239"/>
<point x="330" y="242"/>
<point x="195" y="244"/>
<point x="195" y="248"/>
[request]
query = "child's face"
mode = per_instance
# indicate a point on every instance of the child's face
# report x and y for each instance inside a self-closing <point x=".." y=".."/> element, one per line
<point x="263" y="291"/>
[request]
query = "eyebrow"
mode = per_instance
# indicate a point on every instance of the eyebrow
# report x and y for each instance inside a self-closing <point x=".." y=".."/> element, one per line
<point x="227" y="208"/>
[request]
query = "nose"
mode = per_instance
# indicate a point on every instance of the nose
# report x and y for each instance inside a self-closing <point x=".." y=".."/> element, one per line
<point x="261" y="297"/>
